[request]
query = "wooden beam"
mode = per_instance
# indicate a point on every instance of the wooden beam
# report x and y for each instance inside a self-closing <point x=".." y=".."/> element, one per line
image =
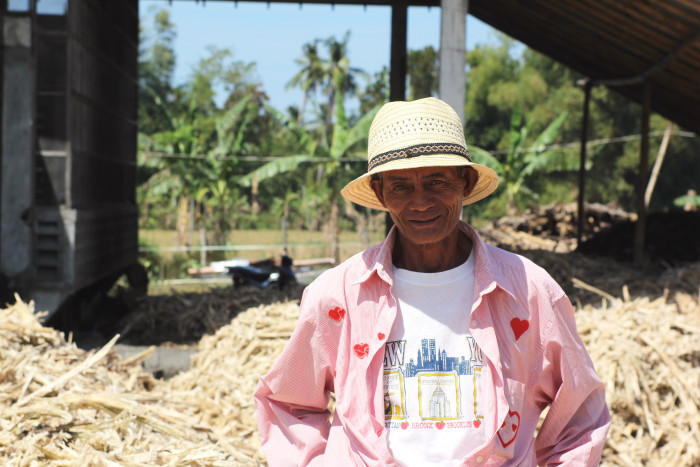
<point x="657" y="164"/>
<point x="397" y="68"/>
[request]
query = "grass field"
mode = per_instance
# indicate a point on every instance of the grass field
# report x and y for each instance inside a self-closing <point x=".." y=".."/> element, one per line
<point x="302" y="244"/>
<point x="167" y="263"/>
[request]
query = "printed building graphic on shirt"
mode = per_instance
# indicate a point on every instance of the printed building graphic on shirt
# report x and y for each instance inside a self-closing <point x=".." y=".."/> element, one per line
<point x="435" y="377"/>
<point x="430" y="358"/>
<point x="439" y="396"/>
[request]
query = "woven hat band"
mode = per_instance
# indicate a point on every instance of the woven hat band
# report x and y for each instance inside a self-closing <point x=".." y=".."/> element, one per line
<point x="426" y="149"/>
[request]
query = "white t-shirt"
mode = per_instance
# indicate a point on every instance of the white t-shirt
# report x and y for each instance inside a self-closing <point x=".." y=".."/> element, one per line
<point x="432" y="369"/>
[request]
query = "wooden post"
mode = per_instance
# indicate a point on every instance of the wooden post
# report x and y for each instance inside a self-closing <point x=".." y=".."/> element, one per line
<point x="397" y="68"/>
<point x="582" y="165"/>
<point x="640" y="227"/>
<point x="657" y="164"/>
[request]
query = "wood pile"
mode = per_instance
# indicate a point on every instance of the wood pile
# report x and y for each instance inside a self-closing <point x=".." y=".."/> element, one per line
<point x="559" y="222"/>
<point x="184" y="318"/>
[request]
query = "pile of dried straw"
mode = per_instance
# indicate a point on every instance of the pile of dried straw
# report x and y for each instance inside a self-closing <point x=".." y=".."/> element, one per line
<point x="62" y="406"/>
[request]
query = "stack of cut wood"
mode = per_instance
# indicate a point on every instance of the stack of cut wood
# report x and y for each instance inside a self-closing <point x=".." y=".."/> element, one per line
<point x="559" y="221"/>
<point x="183" y="318"/>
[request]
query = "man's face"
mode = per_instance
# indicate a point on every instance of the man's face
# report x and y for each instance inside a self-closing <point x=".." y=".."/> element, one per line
<point x="425" y="203"/>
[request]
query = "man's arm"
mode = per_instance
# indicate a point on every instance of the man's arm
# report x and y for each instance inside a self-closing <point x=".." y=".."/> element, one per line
<point x="292" y="399"/>
<point x="575" y="428"/>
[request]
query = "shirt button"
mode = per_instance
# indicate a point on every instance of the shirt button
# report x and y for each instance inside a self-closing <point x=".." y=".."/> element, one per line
<point x="475" y="323"/>
<point x="480" y="459"/>
<point x="500" y="366"/>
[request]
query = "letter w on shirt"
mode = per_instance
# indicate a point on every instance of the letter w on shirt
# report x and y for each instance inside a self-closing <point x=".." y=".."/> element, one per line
<point x="394" y="353"/>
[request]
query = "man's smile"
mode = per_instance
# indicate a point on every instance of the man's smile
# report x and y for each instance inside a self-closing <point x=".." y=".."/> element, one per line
<point x="425" y="220"/>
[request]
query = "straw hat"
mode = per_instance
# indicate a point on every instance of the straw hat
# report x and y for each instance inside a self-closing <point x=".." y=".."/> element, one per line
<point x="407" y="135"/>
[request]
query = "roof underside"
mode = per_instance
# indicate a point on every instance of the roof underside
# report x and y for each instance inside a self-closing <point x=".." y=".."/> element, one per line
<point x="606" y="41"/>
<point x="615" y="40"/>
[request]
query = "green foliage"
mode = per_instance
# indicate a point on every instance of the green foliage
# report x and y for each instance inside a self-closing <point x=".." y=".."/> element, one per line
<point x="422" y="68"/>
<point x="156" y="68"/>
<point x="376" y="93"/>
<point x="204" y="173"/>
<point x="519" y="163"/>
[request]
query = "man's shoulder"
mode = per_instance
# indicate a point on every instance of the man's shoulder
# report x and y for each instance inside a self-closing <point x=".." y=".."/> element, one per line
<point x="514" y="267"/>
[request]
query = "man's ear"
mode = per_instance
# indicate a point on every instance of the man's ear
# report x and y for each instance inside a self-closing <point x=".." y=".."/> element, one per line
<point x="471" y="177"/>
<point x="376" y="186"/>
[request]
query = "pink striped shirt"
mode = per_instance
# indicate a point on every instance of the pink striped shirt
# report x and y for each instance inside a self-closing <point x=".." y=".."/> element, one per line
<point x="532" y="358"/>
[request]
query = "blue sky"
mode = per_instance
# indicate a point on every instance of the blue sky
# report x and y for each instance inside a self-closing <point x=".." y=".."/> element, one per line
<point x="272" y="36"/>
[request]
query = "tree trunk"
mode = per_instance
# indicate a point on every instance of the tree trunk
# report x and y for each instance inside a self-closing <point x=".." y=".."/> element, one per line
<point x="360" y="223"/>
<point x="203" y="245"/>
<point x="183" y="220"/>
<point x="254" y="205"/>
<point x="334" y="229"/>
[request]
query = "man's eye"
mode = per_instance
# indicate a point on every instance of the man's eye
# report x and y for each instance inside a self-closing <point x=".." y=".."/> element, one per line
<point x="437" y="182"/>
<point x="399" y="187"/>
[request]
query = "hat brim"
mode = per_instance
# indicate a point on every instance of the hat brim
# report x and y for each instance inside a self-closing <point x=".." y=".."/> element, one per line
<point x="360" y="192"/>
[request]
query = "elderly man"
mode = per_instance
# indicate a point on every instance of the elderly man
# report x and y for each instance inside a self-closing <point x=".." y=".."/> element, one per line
<point x="439" y="348"/>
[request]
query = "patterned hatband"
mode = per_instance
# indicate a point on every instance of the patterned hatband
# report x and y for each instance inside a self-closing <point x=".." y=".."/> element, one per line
<point x="419" y="150"/>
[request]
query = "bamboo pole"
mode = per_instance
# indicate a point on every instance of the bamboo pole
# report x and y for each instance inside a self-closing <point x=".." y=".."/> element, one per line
<point x="582" y="166"/>
<point x="657" y="164"/>
<point x="640" y="226"/>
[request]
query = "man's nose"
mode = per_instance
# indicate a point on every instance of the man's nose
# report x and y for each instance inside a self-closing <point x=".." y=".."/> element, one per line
<point x="421" y="200"/>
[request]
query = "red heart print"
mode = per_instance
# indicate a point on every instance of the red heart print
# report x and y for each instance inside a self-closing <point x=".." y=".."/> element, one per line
<point x="379" y="432"/>
<point x="404" y="425"/>
<point x="477" y="423"/>
<point x="439" y="425"/>
<point x="505" y="435"/>
<point x="334" y="373"/>
<point x="336" y="314"/>
<point x="519" y="327"/>
<point x="381" y="336"/>
<point x="361" y="350"/>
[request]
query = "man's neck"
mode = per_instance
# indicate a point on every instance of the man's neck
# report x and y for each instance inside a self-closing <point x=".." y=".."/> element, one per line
<point x="432" y="257"/>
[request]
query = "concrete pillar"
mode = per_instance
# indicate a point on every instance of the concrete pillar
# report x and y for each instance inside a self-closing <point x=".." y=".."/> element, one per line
<point x="453" y="38"/>
<point x="17" y="146"/>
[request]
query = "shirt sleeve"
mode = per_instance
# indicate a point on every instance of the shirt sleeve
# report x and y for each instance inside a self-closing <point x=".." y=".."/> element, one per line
<point x="576" y="425"/>
<point x="292" y="399"/>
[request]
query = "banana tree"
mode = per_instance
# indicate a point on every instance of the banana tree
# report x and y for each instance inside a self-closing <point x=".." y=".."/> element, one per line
<point x="344" y="142"/>
<point x="520" y="162"/>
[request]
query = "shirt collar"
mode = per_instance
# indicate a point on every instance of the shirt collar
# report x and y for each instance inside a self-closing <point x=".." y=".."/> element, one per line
<point x="379" y="260"/>
<point x="486" y="277"/>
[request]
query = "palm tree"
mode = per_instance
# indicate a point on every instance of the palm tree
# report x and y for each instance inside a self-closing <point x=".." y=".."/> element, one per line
<point x="344" y="143"/>
<point x="338" y="60"/>
<point x="311" y="75"/>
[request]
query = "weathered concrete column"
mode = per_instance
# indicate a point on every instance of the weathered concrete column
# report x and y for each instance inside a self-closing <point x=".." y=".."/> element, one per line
<point x="17" y="146"/>
<point x="453" y="38"/>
